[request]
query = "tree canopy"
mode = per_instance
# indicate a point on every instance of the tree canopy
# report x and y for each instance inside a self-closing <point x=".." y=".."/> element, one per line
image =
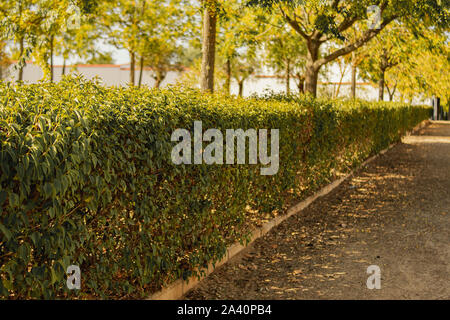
<point x="401" y="45"/>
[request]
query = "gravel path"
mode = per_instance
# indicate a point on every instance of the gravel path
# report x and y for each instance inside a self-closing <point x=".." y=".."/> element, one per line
<point x="395" y="214"/>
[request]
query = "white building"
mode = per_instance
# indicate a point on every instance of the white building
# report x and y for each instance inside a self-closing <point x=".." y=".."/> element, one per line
<point x="109" y="74"/>
<point x="119" y="75"/>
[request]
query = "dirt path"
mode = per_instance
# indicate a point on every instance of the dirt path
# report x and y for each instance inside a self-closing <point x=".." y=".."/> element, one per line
<point x="395" y="213"/>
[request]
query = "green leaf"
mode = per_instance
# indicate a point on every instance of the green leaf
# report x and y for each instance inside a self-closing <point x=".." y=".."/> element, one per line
<point x="2" y="196"/>
<point x="5" y="231"/>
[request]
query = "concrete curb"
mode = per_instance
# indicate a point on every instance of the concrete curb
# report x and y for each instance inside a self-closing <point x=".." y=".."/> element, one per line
<point x="179" y="288"/>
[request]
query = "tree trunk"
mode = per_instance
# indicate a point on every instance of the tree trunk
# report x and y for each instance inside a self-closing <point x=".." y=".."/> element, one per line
<point x="391" y="96"/>
<point x="132" y="67"/>
<point x="63" y="72"/>
<point x="301" y="84"/>
<point x="51" y="57"/>
<point x="312" y="71"/>
<point x="381" y="86"/>
<point x="241" y="88"/>
<point x="228" y="76"/>
<point x="159" y="77"/>
<point x="353" y="81"/>
<point x="338" y="90"/>
<point x="312" y="76"/>
<point x="208" y="49"/>
<point x="141" y="69"/>
<point x="158" y="83"/>
<point x="21" y="44"/>
<point x="288" y="77"/>
<point x="391" y="92"/>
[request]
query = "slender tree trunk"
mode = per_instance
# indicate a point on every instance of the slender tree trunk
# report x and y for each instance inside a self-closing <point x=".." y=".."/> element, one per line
<point x="288" y="77"/>
<point x="354" y="71"/>
<point x="51" y="57"/>
<point x="21" y="44"/>
<point x="381" y="86"/>
<point x="132" y="67"/>
<point x="391" y="96"/>
<point x="353" y="81"/>
<point x="241" y="88"/>
<point x="338" y="90"/>
<point x="228" y="76"/>
<point x="21" y="49"/>
<point x="159" y="77"/>
<point x="391" y="92"/>
<point x="141" y="70"/>
<point x="141" y="63"/>
<point x="208" y="49"/>
<point x="63" y="72"/>
<point x="301" y="85"/>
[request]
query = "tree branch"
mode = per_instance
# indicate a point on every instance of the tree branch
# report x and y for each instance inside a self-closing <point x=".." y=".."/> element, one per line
<point x="335" y="4"/>
<point x="366" y="37"/>
<point x="294" y="24"/>
<point x="347" y="23"/>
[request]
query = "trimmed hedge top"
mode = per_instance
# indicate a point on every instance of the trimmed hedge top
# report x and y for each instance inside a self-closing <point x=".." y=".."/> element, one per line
<point x="86" y="179"/>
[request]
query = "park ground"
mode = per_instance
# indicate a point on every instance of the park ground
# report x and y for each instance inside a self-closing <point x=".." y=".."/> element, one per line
<point x="393" y="213"/>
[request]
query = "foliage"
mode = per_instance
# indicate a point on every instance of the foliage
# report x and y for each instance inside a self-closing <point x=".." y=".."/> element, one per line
<point x="238" y="41"/>
<point x="387" y="51"/>
<point x="86" y="178"/>
<point x="100" y="58"/>
<point x="319" y="22"/>
<point x="286" y="54"/>
<point x="150" y="30"/>
<point x="424" y="73"/>
<point x="41" y="27"/>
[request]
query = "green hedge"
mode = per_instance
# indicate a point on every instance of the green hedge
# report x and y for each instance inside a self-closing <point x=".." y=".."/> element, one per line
<point x="86" y="179"/>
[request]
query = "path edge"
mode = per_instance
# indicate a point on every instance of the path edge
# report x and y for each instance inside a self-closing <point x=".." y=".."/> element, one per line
<point x="180" y="288"/>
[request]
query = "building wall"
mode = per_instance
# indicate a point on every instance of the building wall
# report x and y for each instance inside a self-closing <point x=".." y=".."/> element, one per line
<point x="109" y="75"/>
<point x="266" y="84"/>
<point x="119" y="75"/>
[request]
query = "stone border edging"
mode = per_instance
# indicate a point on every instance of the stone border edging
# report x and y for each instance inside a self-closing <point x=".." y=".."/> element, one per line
<point x="180" y="287"/>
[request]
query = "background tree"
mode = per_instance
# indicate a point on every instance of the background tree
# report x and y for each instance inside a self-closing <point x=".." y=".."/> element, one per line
<point x="82" y="42"/>
<point x="49" y="31"/>
<point x="19" y="23"/>
<point x="425" y="73"/>
<point x="287" y="55"/>
<point x="243" y="66"/>
<point x="238" y="38"/>
<point x="164" y="27"/>
<point x="122" y="20"/>
<point x="386" y="51"/>
<point x="319" y="22"/>
<point x="34" y="25"/>
<point x="210" y="11"/>
<point x="96" y="57"/>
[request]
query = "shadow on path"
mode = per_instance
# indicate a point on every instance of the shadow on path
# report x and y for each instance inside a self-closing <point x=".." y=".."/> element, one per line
<point x="395" y="213"/>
